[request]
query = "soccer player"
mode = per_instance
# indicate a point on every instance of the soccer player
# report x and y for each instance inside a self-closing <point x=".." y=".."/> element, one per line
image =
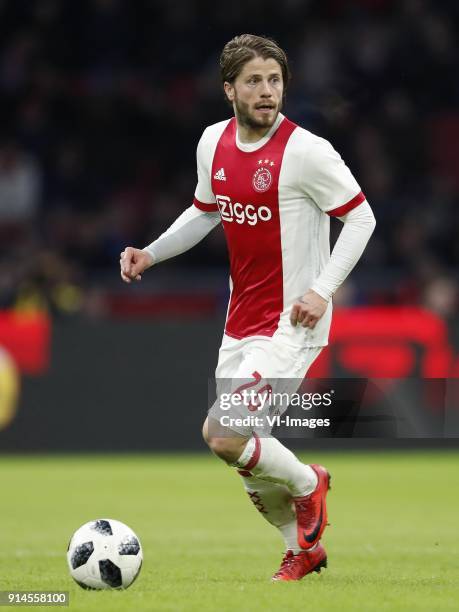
<point x="273" y="185"/>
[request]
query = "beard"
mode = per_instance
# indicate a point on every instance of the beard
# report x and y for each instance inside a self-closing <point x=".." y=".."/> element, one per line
<point x="248" y="120"/>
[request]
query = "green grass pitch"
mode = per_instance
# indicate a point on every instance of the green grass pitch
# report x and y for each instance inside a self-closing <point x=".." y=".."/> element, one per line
<point x="393" y="543"/>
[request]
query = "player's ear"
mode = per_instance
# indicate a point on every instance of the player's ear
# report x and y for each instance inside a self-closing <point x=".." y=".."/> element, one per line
<point x="229" y="91"/>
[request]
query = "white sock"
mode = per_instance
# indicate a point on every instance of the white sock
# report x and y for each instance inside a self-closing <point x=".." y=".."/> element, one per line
<point x="290" y="535"/>
<point x="268" y="459"/>
<point x="274" y="502"/>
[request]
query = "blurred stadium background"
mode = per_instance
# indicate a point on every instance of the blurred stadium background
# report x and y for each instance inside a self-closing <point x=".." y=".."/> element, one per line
<point x="102" y="103"/>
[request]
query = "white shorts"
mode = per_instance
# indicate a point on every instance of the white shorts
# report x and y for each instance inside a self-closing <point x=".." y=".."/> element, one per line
<point x="256" y="370"/>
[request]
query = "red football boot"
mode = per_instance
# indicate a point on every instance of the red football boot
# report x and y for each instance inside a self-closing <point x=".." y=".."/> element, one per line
<point x="311" y="510"/>
<point x="295" y="567"/>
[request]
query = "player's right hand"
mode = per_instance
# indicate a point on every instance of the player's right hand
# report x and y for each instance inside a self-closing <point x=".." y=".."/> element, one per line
<point x="133" y="263"/>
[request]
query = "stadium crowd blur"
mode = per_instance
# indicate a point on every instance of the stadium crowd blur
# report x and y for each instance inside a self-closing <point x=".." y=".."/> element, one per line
<point x="102" y="103"/>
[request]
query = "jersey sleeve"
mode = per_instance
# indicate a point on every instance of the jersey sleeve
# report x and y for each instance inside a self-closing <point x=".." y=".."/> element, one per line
<point x="328" y="181"/>
<point x="186" y="231"/>
<point x="352" y="240"/>
<point x="204" y="198"/>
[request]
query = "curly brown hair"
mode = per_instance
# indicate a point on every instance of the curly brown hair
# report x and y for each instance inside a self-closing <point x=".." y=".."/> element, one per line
<point x="241" y="49"/>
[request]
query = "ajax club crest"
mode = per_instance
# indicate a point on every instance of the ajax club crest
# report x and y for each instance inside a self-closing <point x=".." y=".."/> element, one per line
<point x="262" y="177"/>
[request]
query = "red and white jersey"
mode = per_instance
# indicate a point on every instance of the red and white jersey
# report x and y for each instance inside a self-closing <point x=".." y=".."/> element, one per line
<point x="274" y="198"/>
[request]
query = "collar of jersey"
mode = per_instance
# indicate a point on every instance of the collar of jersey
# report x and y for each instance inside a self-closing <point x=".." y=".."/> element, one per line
<point x="249" y="147"/>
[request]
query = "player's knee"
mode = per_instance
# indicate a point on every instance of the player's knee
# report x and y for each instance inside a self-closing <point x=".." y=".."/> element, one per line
<point x="229" y="449"/>
<point x="205" y="432"/>
<point x="221" y="447"/>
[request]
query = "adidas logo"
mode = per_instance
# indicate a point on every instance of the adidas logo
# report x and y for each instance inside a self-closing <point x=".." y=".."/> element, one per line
<point x="220" y="175"/>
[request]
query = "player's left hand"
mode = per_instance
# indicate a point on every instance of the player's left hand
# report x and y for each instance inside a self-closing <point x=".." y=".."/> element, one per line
<point x="308" y="309"/>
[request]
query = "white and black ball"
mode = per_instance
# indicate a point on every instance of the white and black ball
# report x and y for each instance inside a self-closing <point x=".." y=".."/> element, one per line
<point x="104" y="554"/>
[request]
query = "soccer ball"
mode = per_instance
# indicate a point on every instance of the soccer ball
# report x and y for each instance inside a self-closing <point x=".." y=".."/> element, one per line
<point x="104" y="554"/>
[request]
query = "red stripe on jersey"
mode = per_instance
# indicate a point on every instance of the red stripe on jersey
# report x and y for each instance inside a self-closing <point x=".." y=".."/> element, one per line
<point x="345" y="208"/>
<point x="248" y="200"/>
<point x="205" y="207"/>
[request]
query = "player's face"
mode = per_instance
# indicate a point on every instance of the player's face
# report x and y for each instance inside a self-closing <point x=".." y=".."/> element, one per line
<point x="257" y="93"/>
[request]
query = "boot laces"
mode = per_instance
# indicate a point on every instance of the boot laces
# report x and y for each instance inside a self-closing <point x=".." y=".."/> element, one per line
<point x="286" y="563"/>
